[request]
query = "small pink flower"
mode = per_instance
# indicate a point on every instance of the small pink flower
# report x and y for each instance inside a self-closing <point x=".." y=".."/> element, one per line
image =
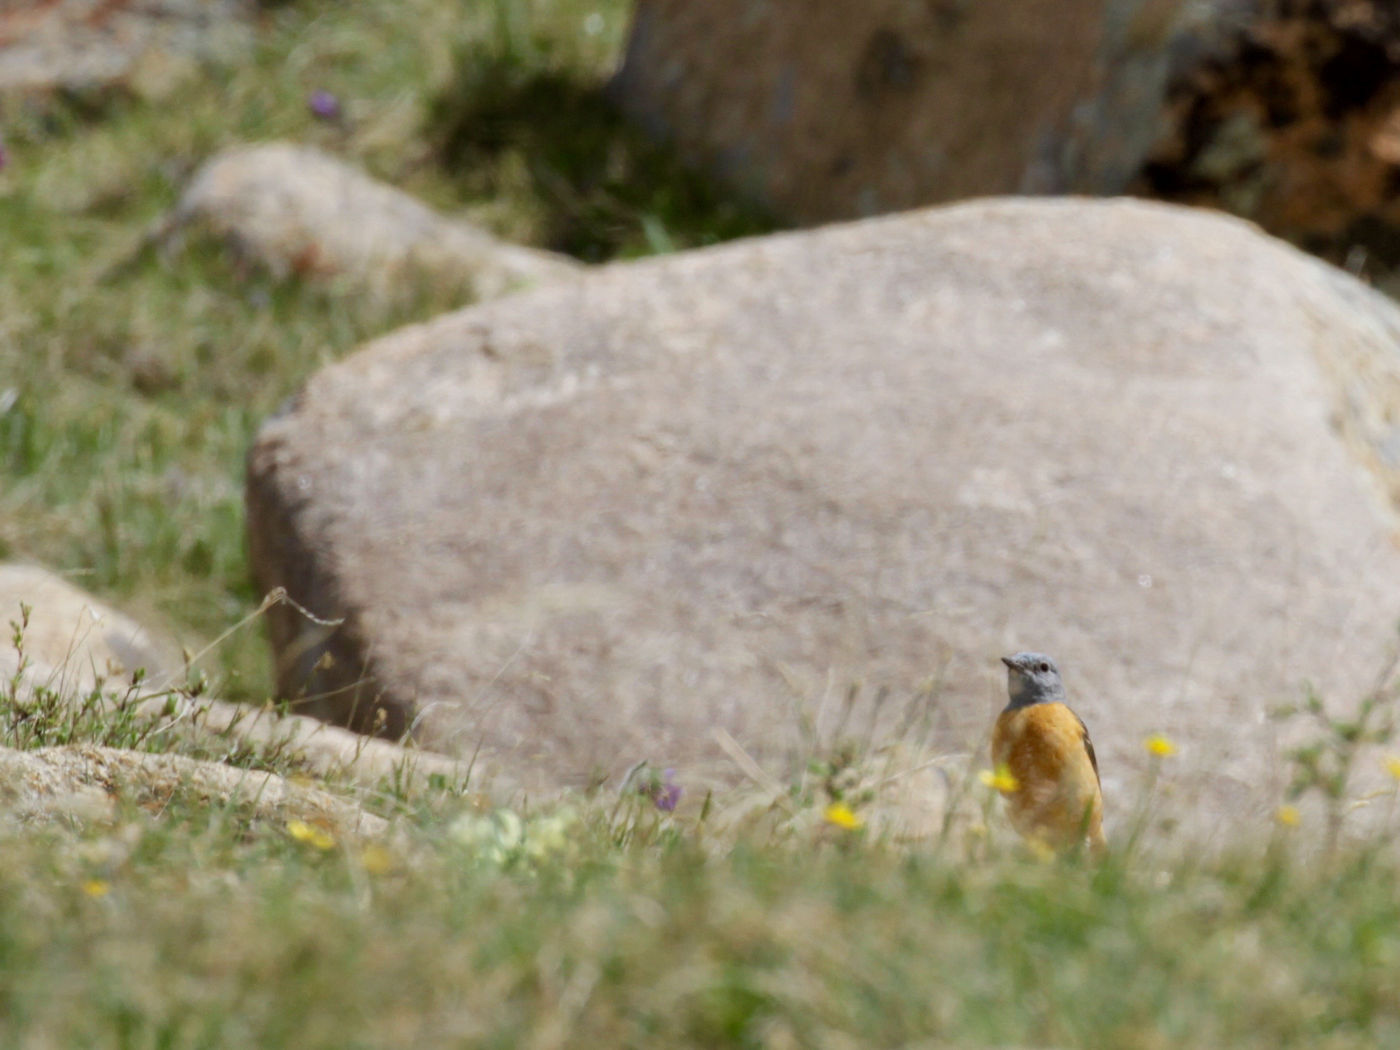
<point x="323" y="105"/>
<point x="664" y="793"/>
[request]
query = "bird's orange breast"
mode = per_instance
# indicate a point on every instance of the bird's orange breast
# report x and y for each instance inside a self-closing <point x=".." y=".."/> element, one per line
<point x="1057" y="796"/>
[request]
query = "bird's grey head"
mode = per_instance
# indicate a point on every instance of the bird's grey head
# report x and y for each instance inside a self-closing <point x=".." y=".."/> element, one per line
<point x="1033" y="678"/>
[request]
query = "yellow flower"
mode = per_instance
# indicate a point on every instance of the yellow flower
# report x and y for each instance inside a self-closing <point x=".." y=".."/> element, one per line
<point x="310" y="834"/>
<point x="1159" y="746"/>
<point x="376" y="860"/>
<point x="1002" y="779"/>
<point x="843" y="816"/>
<point x="1288" y="816"/>
<point x="96" y="887"/>
<point x="1392" y="766"/>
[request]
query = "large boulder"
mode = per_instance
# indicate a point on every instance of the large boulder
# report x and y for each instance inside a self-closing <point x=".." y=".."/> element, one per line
<point x="828" y="111"/>
<point x="810" y="487"/>
<point x="295" y="210"/>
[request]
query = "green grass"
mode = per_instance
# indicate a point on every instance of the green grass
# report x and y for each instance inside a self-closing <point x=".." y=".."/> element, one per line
<point x="745" y="920"/>
<point x="200" y="929"/>
<point x="131" y="385"/>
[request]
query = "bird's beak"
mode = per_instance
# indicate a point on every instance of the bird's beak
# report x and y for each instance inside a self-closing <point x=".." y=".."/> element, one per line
<point x="1007" y="661"/>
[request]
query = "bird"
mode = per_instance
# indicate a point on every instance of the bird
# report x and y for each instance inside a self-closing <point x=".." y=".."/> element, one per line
<point x="1044" y="761"/>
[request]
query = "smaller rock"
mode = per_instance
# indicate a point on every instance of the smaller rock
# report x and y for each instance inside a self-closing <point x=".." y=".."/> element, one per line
<point x="326" y="750"/>
<point x="296" y="210"/>
<point x="76" y="45"/>
<point x="74" y="645"/>
<point x="82" y="782"/>
<point x="72" y="641"/>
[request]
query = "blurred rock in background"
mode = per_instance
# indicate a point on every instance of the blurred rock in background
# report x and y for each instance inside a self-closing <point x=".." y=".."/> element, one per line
<point x="296" y="210"/>
<point x="1294" y="122"/>
<point x="828" y="111"/>
<point x="146" y="46"/>
<point x="1286" y="112"/>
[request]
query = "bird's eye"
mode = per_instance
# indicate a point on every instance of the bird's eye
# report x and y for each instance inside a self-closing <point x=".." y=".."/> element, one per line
<point x="1043" y="668"/>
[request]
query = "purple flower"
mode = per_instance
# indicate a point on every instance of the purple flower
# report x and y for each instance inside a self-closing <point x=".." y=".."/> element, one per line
<point x="323" y="105"/>
<point x="664" y="793"/>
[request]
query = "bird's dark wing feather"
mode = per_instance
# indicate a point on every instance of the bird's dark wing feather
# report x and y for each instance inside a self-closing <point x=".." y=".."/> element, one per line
<point x="1089" y="747"/>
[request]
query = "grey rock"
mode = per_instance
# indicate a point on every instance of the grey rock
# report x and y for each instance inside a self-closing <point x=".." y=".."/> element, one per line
<point x="811" y="486"/>
<point x="296" y="210"/>
<point x="75" y="646"/>
<point x="826" y="111"/>
<point x="84" y="45"/>
<point x="323" y="750"/>
<point x="85" y="783"/>
<point x="74" y="642"/>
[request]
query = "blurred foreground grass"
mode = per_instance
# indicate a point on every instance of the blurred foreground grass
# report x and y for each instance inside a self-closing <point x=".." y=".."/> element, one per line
<point x="195" y="928"/>
<point x="640" y="917"/>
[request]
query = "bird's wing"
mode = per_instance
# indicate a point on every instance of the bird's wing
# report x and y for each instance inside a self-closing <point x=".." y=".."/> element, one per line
<point x="1089" y="747"/>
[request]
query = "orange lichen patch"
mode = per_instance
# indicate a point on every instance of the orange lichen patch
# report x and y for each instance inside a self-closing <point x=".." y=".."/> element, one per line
<point x="1384" y="143"/>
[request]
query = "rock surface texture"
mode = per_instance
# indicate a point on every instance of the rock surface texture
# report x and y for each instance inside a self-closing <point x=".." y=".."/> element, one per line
<point x="86" y="783"/>
<point x="829" y="111"/>
<point x="1286" y="112"/>
<point x="811" y="486"/>
<point x="296" y="210"/>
